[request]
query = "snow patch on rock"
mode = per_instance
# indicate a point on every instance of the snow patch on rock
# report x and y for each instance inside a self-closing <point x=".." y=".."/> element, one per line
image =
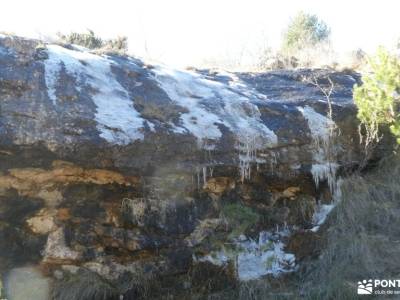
<point x="117" y="119"/>
<point x="210" y="104"/>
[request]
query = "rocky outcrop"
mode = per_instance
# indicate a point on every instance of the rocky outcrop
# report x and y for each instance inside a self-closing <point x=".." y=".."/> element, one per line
<point x="138" y="174"/>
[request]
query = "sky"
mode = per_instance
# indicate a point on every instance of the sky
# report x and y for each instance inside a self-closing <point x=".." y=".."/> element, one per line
<point x="188" y="32"/>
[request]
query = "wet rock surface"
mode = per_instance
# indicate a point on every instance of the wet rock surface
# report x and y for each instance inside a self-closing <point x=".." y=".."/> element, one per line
<point x="124" y="176"/>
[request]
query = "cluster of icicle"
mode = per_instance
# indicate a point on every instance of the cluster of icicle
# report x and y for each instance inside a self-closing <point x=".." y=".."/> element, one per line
<point x="252" y="153"/>
<point x="248" y="148"/>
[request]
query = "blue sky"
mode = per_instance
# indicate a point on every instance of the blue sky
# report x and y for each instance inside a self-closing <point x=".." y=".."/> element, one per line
<point x="185" y="32"/>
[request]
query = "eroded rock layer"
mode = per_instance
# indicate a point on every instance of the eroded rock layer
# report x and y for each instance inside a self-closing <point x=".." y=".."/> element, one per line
<point x="150" y="179"/>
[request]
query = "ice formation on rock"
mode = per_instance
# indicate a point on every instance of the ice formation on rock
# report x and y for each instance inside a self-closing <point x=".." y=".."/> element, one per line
<point x="324" y="167"/>
<point x="325" y="171"/>
<point x="323" y="210"/>
<point x="253" y="259"/>
<point x="321" y="214"/>
<point x="210" y="104"/>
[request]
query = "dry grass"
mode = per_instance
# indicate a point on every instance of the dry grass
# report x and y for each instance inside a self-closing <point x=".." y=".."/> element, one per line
<point x="363" y="236"/>
<point x="84" y="286"/>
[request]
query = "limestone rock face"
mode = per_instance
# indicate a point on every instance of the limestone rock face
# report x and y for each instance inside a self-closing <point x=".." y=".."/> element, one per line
<point x="136" y="170"/>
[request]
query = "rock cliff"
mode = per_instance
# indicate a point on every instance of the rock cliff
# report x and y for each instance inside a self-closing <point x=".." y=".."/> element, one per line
<point x="133" y="178"/>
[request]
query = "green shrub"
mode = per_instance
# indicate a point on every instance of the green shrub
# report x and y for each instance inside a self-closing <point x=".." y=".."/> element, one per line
<point x="377" y="99"/>
<point x="240" y="217"/>
<point x="304" y="30"/>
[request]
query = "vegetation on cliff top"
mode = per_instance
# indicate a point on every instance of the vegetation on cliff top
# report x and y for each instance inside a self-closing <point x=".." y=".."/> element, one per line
<point x="92" y="41"/>
<point x="305" y="30"/>
<point x="377" y="99"/>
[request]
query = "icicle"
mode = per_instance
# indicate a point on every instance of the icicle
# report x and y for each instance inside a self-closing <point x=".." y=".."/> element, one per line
<point x="325" y="171"/>
<point x="204" y="175"/>
<point x="198" y="178"/>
